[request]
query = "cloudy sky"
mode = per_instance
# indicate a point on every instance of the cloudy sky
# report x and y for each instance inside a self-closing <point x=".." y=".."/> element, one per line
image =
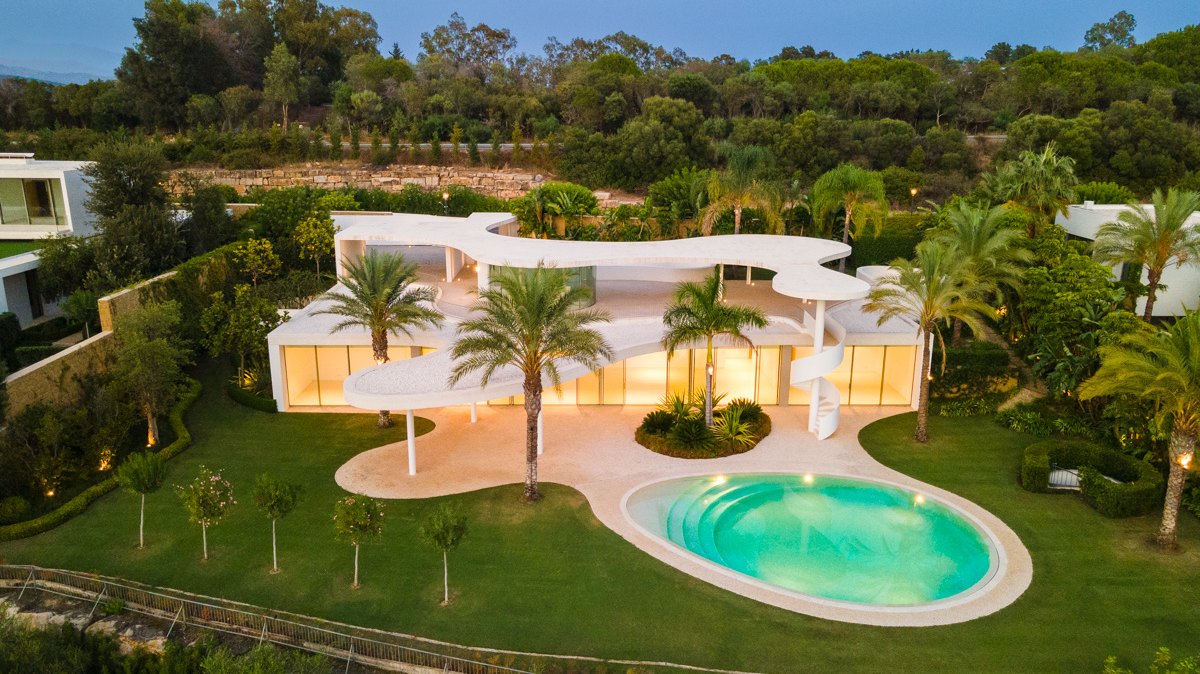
<point x="88" y="36"/>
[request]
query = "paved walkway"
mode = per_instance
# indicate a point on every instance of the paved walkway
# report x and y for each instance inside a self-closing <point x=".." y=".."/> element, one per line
<point x="592" y="449"/>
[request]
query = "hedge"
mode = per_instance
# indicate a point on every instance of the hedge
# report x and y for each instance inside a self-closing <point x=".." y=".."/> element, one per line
<point x="54" y="518"/>
<point x="898" y="238"/>
<point x="1139" y="492"/>
<point x="973" y="369"/>
<point x="244" y="397"/>
<point x="28" y="355"/>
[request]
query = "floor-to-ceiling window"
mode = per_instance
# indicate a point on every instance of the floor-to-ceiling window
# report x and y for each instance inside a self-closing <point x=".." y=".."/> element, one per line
<point x="31" y="202"/>
<point x="867" y="375"/>
<point x="315" y="375"/>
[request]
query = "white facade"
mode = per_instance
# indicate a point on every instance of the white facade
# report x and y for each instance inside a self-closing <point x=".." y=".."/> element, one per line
<point x="42" y="198"/>
<point x="805" y="353"/>
<point x="1182" y="291"/>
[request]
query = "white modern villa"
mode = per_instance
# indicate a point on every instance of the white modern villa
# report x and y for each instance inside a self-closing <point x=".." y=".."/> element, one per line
<point x="819" y="345"/>
<point x="1182" y="291"/>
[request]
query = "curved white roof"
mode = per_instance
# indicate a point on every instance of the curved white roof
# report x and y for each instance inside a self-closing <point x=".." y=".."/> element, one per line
<point x="796" y="260"/>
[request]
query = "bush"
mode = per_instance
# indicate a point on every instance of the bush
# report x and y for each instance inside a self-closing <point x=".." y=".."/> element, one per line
<point x="748" y="410"/>
<point x="244" y="397"/>
<point x="973" y="369"/>
<point x="10" y="332"/>
<point x="13" y="509"/>
<point x="658" y="422"/>
<point x="691" y="434"/>
<point x="899" y="238"/>
<point x="973" y="406"/>
<point x="1139" y="490"/>
<point x="51" y="330"/>
<point x="1103" y="193"/>
<point x="1025" y="418"/>
<point x="28" y="355"/>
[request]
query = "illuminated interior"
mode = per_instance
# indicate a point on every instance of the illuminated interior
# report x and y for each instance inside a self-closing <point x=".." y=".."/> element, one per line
<point x="315" y="374"/>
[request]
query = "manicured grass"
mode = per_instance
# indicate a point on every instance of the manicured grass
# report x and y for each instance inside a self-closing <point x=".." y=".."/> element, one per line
<point x="550" y="578"/>
<point x="10" y="248"/>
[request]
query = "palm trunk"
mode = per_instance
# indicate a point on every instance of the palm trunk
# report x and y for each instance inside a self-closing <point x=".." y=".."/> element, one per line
<point x="204" y="538"/>
<point x="1183" y="443"/>
<point x="956" y="332"/>
<point x="845" y="238"/>
<point x="445" y="578"/>
<point x="285" y="117"/>
<point x="533" y="408"/>
<point x="708" y="385"/>
<point x="379" y="347"/>
<point x="142" y="525"/>
<point x="737" y="219"/>
<point x="1152" y="279"/>
<point x="355" y="583"/>
<point x="151" y="429"/>
<point x="922" y="434"/>
<point x="274" y="550"/>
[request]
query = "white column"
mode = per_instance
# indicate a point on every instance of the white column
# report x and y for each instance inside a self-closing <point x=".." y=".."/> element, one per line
<point x="449" y="264"/>
<point x="749" y="274"/>
<point x="814" y="401"/>
<point x="482" y="270"/>
<point x="410" y="425"/>
<point x="474" y="413"/>
<point x="541" y="444"/>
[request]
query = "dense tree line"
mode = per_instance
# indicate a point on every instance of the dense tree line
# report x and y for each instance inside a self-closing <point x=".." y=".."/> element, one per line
<point x="624" y="112"/>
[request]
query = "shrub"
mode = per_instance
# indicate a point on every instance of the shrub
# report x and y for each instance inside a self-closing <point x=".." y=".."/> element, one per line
<point x="1103" y="193"/>
<point x="899" y="238"/>
<point x="680" y="405"/>
<point x="691" y="434"/>
<point x="1025" y="419"/>
<point x="244" y="397"/>
<point x="28" y="355"/>
<point x="975" y="368"/>
<point x="967" y="407"/>
<point x="1138" y="491"/>
<point x="658" y="422"/>
<point x="729" y="428"/>
<point x="748" y="410"/>
<point x="12" y="509"/>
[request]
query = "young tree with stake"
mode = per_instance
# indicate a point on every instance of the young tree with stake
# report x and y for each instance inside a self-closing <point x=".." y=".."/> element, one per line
<point x="276" y="499"/>
<point x="142" y="473"/>
<point x="207" y="499"/>
<point x="445" y="529"/>
<point x="357" y="519"/>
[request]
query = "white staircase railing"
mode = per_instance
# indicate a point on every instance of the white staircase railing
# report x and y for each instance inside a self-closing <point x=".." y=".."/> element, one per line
<point x="805" y="370"/>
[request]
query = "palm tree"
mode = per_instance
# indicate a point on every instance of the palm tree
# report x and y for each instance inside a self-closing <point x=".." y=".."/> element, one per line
<point x="1042" y="182"/>
<point x="527" y="319"/>
<point x="1163" y="367"/>
<point x="698" y="312"/>
<point x="857" y="192"/>
<point x="740" y="186"/>
<point x="1153" y="240"/>
<point x="380" y="296"/>
<point x="989" y="251"/>
<point x="928" y="290"/>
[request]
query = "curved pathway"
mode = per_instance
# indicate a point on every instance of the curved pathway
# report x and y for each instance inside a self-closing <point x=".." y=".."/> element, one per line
<point x="592" y="449"/>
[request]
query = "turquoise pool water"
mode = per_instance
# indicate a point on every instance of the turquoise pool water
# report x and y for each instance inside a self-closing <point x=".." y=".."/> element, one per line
<point x="832" y="537"/>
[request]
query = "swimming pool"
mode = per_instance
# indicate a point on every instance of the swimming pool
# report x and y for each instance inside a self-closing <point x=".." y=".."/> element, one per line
<point x="838" y="538"/>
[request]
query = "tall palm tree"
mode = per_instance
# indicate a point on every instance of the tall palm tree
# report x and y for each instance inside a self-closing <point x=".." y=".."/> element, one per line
<point x="698" y="312"/>
<point x="990" y="252"/>
<point x="855" y="191"/>
<point x="527" y="319"/>
<point x="1161" y="366"/>
<point x="1153" y="240"/>
<point x="928" y="290"/>
<point x="381" y="297"/>
<point x="1042" y="182"/>
<point x="743" y="185"/>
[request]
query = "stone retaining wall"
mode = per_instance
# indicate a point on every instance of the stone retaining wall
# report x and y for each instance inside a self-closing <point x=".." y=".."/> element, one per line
<point x="502" y="183"/>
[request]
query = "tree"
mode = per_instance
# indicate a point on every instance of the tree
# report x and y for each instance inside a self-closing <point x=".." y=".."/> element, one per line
<point x="1162" y="367"/>
<point x="928" y="290"/>
<point x="858" y="193"/>
<point x="314" y="236"/>
<point x="239" y="327"/>
<point x="445" y="529"/>
<point x="124" y="175"/>
<point x="357" y="519"/>
<point x="528" y="319"/>
<point x="63" y="263"/>
<point x="1117" y="31"/>
<point x="257" y="259"/>
<point x="698" y="312"/>
<point x="150" y="356"/>
<point x="281" y="81"/>
<point x="82" y="306"/>
<point x="381" y="296"/>
<point x="207" y="499"/>
<point x="741" y="185"/>
<point x="142" y="473"/>
<point x="1041" y="182"/>
<point x="1152" y="239"/>
<point x="276" y="499"/>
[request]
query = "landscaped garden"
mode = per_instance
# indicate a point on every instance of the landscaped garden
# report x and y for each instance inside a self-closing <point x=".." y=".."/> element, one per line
<point x="550" y="578"/>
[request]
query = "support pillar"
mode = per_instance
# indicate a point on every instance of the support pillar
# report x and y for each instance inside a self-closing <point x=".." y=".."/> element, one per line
<point x="541" y="431"/>
<point x="411" y="427"/>
<point x="482" y="270"/>
<point x="749" y="274"/>
<point x="474" y="413"/>
<point x="814" y="401"/>
<point x="450" y="254"/>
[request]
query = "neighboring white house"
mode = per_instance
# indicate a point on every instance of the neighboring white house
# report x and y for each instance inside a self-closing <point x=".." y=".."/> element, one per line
<point x="1182" y="291"/>
<point x="819" y="342"/>
<point x="42" y="198"/>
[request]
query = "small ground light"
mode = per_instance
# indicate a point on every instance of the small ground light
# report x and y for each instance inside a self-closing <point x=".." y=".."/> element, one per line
<point x="919" y="499"/>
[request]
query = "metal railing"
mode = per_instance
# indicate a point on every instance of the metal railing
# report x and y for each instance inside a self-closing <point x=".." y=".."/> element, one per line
<point x="339" y="641"/>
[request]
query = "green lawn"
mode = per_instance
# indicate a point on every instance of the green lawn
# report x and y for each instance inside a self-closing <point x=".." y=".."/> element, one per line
<point x="10" y="248"/>
<point x="551" y="578"/>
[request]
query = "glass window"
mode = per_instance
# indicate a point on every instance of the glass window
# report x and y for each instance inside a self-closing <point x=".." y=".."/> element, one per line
<point x="867" y="376"/>
<point x="737" y="373"/>
<point x="799" y="395"/>
<point x="588" y="389"/>
<point x="613" y="379"/>
<point x="333" y="366"/>
<point x="564" y="396"/>
<point x="768" y="376"/>
<point x="12" y="202"/>
<point x="300" y="373"/>
<point x="699" y="364"/>
<point x="678" y="367"/>
<point x="361" y="358"/>
<point x="840" y="377"/>
<point x="399" y="352"/>
<point x="60" y="208"/>
<point x="899" y="368"/>
<point x="646" y="379"/>
<point x="38" y="202"/>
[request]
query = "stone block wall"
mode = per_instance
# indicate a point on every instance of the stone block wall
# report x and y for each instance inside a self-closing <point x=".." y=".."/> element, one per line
<point x="55" y="380"/>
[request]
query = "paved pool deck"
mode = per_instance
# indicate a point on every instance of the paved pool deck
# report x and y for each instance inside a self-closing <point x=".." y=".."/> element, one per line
<point x="592" y="449"/>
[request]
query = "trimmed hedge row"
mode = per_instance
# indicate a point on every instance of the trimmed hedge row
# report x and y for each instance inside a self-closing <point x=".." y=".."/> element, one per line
<point x="244" y="397"/>
<point x="52" y="519"/>
<point x="1139" y="491"/>
<point x="898" y="238"/>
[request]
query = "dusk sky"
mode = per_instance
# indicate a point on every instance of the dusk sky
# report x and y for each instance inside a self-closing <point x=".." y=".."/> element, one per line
<point x="89" y="35"/>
